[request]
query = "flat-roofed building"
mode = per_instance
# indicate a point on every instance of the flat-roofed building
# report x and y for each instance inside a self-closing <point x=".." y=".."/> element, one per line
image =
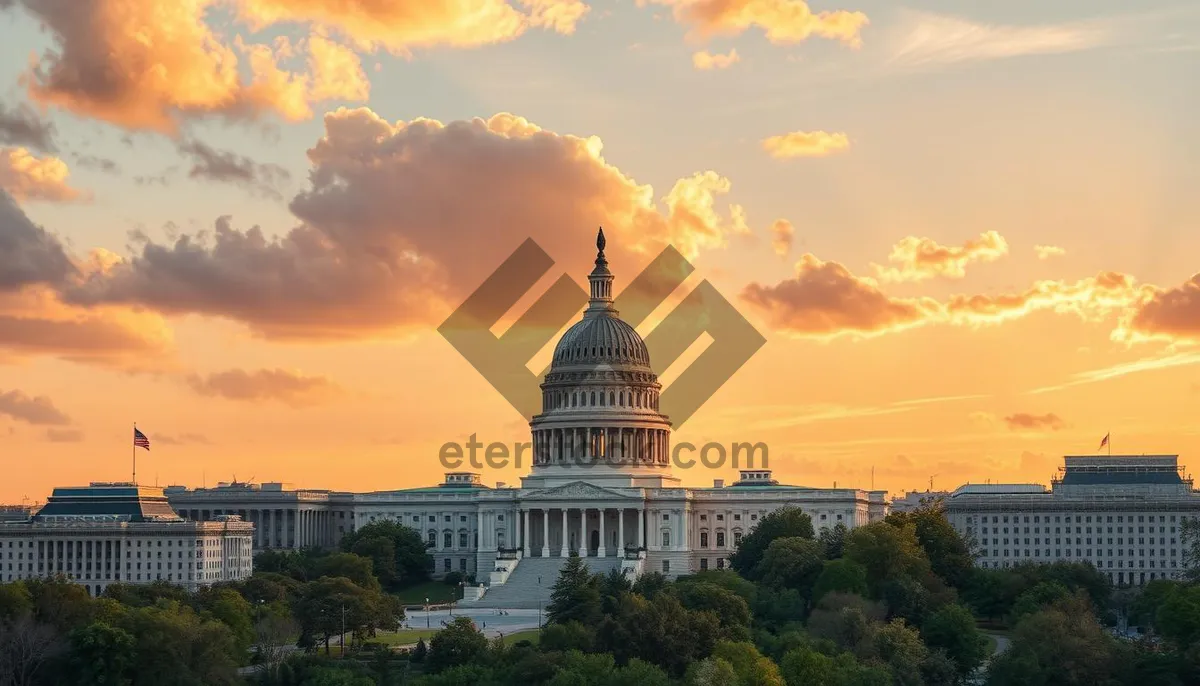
<point x="107" y="533"/>
<point x="1121" y="513"/>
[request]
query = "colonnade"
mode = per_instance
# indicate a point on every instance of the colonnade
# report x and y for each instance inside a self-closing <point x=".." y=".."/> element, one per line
<point x="596" y="532"/>
<point x="279" y="527"/>
<point x="611" y="444"/>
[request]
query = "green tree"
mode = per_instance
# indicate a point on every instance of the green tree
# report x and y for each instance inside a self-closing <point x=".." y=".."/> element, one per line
<point x="1061" y="646"/>
<point x="729" y="607"/>
<point x="833" y="540"/>
<point x="952" y="629"/>
<point x="899" y="646"/>
<point x="1042" y="595"/>
<point x="101" y="654"/>
<point x="791" y="563"/>
<point x="1178" y="617"/>
<point x="947" y="551"/>
<point x="15" y="601"/>
<point x="576" y="595"/>
<point x="381" y="551"/>
<point x="659" y="630"/>
<point x="842" y="576"/>
<point x="460" y="643"/>
<point x="413" y="564"/>
<point x="566" y="636"/>
<point x="356" y="568"/>
<point x="177" y="646"/>
<point x="807" y="667"/>
<point x="887" y="551"/>
<point x="751" y="667"/>
<point x="786" y="522"/>
<point x="328" y="604"/>
<point x="711" y="671"/>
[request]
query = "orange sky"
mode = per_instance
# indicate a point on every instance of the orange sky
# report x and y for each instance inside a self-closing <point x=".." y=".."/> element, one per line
<point x="968" y="239"/>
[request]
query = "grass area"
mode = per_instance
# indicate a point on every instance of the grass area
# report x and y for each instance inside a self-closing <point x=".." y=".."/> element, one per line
<point x="401" y="638"/>
<point x="991" y="644"/>
<point x="531" y="635"/>
<point x="436" y="591"/>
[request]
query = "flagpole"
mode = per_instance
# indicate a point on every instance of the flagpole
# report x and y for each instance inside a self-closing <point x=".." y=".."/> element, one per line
<point x="135" y="456"/>
<point x="1110" y="444"/>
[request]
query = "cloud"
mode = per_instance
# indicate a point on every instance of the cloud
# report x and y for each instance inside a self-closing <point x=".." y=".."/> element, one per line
<point x="927" y="39"/>
<point x="1168" y="313"/>
<point x="64" y="435"/>
<point x="26" y="177"/>
<point x="39" y="411"/>
<point x="228" y="167"/>
<point x="182" y="439"/>
<point x="783" y="21"/>
<point x="918" y="259"/>
<point x="1045" y="252"/>
<point x="386" y="241"/>
<point x="825" y="299"/>
<point x="101" y="164"/>
<point x="1182" y="359"/>
<point x="805" y="144"/>
<point x="782" y="236"/>
<point x="152" y="66"/>
<point x="405" y="25"/>
<point x="23" y="126"/>
<point x="289" y="388"/>
<point x="28" y="253"/>
<point x="705" y="60"/>
<point x="1023" y="421"/>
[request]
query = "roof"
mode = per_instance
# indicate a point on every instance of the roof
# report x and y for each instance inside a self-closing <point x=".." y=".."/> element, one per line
<point x="121" y="500"/>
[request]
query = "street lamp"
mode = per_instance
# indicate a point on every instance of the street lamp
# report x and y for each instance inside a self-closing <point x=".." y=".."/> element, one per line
<point x="343" y="631"/>
<point x="427" y="613"/>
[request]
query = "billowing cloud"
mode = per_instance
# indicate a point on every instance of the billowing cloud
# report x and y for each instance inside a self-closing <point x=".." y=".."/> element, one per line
<point x="705" y="60"/>
<point x="1024" y="421"/>
<point x="224" y="166"/>
<point x="918" y="259"/>
<point x="28" y="253"/>
<point x="23" y="126"/>
<point x="387" y="237"/>
<point x="405" y="25"/>
<point x="1171" y="313"/>
<point x="26" y="177"/>
<point x="146" y="65"/>
<point x="805" y="144"/>
<point x="290" y="388"/>
<point x="783" y="21"/>
<point x="825" y="299"/>
<point x="782" y="236"/>
<point x="1045" y="252"/>
<point x="39" y="410"/>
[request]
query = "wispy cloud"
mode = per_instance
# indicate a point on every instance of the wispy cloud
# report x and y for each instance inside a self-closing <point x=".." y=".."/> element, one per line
<point x="926" y="39"/>
<point x="1117" y="370"/>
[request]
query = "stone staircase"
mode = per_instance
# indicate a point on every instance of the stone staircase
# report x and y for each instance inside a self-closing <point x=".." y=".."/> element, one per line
<point x="530" y="584"/>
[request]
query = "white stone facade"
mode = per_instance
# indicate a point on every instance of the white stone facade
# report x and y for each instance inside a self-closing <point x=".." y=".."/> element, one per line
<point x="1120" y="513"/>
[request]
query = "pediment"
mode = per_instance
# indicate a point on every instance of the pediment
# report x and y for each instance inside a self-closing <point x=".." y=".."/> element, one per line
<point x="576" y="490"/>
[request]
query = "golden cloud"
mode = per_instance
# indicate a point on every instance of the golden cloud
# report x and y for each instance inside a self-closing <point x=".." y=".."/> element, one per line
<point x="805" y="144"/>
<point x="1045" y="252"/>
<point x="918" y="259"/>
<point x="385" y="241"/>
<point x="783" y="21"/>
<point x="705" y="60"/>
<point x="289" y="387"/>
<point x="1167" y="313"/>
<point x="1024" y="421"/>
<point x="404" y="25"/>
<point x="27" y="177"/>
<point x="148" y="65"/>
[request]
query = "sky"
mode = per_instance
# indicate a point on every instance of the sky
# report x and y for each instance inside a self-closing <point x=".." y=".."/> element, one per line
<point x="968" y="231"/>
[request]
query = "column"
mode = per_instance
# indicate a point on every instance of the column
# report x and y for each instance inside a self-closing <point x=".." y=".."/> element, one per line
<point x="684" y="538"/>
<point x="545" y="532"/>
<point x="583" y="543"/>
<point x="564" y="552"/>
<point x="480" y="544"/>
<point x="600" y="552"/>
<point x="642" y="526"/>
<point x="620" y="532"/>
<point x="525" y="537"/>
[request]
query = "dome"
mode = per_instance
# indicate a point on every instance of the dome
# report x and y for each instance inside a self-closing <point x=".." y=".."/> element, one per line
<point x="602" y="339"/>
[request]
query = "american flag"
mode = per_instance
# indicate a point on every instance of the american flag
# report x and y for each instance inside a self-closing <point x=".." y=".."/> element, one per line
<point x="140" y="440"/>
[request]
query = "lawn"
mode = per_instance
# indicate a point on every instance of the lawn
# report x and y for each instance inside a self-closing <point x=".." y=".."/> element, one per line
<point x="407" y="637"/>
<point x="531" y="635"/>
<point x="436" y="591"/>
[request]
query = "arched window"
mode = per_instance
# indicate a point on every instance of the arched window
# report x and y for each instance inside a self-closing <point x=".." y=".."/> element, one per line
<point x="737" y="538"/>
<point x="574" y="399"/>
<point x="602" y="398"/>
<point x="720" y="539"/>
<point x="448" y="539"/>
<point x="500" y="538"/>
<point x="593" y="402"/>
<point x="610" y="398"/>
<point x="462" y="538"/>
<point x="666" y="538"/>
<point x="432" y="537"/>
<point x="703" y="539"/>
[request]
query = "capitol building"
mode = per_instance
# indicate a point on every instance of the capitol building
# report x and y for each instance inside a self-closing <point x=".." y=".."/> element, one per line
<point x="600" y="484"/>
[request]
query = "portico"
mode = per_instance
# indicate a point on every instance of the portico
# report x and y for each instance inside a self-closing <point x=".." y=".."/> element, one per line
<point x="559" y="530"/>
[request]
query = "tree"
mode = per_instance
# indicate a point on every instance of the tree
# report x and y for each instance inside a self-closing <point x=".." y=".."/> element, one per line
<point x="899" y="646"/>
<point x="413" y="564"/>
<point x="750" y="666"/>
<point x="460" y="643"/>
<point x="728" y="606"/>
<point x="1189" y="533"/>
<point x="175" y="645"/>
<point x="1042" y="595"/>
<point x="229" y="607"/>
<point x="659" y="630"/>
<point x="786" y="522"/>
<point x="101" y="654"/>
<point x="887" y="551"/>
<point x="328" y="604"/>
<point x="273" y="631"/>
<point x="566" y="636"/>
<point x="842" y="576"/>
<point x="419" y="651"/>
<point x="833" y="540"/>
<point x="1063" y="645"/>
<point x="381" y="551"/>
<point x="1178" y="617"/>
<point x="946" y="550"/>
<point x="576" y="595"/>
<point x="26" y="645"/>
<point x="711" y="671"/>
<point x="804" y="665"/>
<point x="356" y="568"/>
<point x="791" y="563"/>
<point x="952" y="629"/>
